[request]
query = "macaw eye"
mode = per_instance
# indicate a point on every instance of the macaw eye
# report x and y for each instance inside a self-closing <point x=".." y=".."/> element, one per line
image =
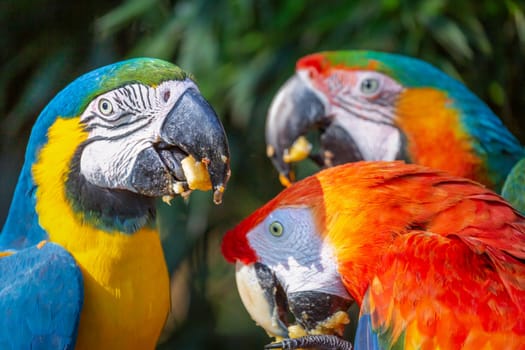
<point x="166" y="95"/>
<point x="105" y="107"/>
<point x="369" y="86"/>
<point x="276" y="229"/>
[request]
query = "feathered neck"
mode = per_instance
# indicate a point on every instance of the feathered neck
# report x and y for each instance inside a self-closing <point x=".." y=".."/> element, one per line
<point x="51" y="192"/>
<point x="457" y="133"/>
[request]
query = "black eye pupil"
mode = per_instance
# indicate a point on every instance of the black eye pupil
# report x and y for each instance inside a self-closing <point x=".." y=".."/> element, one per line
<point x="276" y="229"/>
<point x="369" y="86"/>
<point x="105" y="105"/>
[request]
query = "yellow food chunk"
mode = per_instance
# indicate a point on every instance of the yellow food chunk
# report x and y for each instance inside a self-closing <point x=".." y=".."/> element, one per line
<point x="333" y="325"/>
<point x="167" y="199"/>
<point x="270" y="151"/>
<point x="178" y="188"/>
<point x="196" y="173"/>
<point x="296" y="331"/>
<point x="300" y="150"/>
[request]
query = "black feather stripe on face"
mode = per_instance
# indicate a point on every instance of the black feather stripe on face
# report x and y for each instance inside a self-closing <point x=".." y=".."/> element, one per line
<point x="107" y="209"/>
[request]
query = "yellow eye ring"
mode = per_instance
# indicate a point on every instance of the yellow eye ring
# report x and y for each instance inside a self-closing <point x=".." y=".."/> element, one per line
<point x="105" y="107"/>
<point x="276" y="229"/>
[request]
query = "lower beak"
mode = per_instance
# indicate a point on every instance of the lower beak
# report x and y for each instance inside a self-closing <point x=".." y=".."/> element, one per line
<point x="269" y="305"/>
<point x="338" y="147"/>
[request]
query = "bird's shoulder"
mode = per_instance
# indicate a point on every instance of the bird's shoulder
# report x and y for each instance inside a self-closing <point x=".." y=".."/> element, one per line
<point x="41" y="296"/>
<point x="438" y="291"/>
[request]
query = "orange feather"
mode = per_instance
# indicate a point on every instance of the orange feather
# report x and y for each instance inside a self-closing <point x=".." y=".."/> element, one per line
<point x="436" y="259"/>
<point x="435" y="134"/>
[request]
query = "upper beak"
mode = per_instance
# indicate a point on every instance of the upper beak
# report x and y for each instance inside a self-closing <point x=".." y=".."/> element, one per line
<point x="294" y="110"/>
<point x="262" y="297"/>
<point x="191" y="153"/>
<point x="269" y="304"/>
<point x="193" y="126"/>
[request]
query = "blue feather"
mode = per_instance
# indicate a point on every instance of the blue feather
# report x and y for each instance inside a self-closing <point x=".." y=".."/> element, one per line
<point x="493" y="142"/>
<point x="365" y="337"/>
<point x="41" y="287"/>
<point x="41" y="295"/>
<point x="21" y="229"/>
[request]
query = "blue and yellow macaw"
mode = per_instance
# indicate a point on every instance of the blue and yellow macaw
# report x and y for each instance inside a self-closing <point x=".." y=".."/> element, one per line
<point x="380" y="106"/>
<point x="80" y="256"/>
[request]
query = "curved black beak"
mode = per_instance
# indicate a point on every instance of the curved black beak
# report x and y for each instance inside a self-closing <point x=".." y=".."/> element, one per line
<point x="294" y="110"/>
<point x="193" y="127"/>
<point x="269" y="304"/>
<point x="190" y="153"/>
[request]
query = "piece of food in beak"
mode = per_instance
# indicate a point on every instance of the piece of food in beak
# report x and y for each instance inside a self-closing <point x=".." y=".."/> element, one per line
<point x="196" y="173"/>
<point x="300" y="150"/>
<point x="334" y="324"/>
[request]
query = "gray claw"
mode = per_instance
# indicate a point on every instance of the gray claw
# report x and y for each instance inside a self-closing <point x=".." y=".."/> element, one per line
<point x="327" y="342"/>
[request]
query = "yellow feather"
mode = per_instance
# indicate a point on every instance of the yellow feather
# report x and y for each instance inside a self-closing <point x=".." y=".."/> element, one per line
<point x="126" y="284"/>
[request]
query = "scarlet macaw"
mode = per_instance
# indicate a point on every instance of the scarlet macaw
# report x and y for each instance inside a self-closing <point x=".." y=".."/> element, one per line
<point x="432" y="260"/>
<point x="380" y="106"/>
<point x="82" y="264"/>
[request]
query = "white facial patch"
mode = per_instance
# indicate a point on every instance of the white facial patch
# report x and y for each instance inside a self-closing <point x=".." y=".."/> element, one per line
<point x="121" y="124"/>
<point x="363" y="103"/>
<point x="375" y="141"/>
<point x="301" y="259"/>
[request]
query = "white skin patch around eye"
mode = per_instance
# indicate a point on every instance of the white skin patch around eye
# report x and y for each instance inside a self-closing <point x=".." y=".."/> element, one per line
<point x="115" y="139"/>
<point x="359" y="84"/>
<point x="375" y="141"/>
<point x="300" y="258"/>
<point x="367" y="116"/>
<point x="369" y="84"/>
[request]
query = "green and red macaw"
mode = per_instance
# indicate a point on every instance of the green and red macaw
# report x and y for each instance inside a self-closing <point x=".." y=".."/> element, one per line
<point x="80" y="255"/>
<point x="434" y="261"/>
<point x="381" y="106"/>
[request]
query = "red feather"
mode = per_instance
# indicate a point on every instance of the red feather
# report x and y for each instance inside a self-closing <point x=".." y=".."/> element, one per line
<point x="436" y="260"/>
<point x="442" y="258"/>
<point x="235" y="245"/>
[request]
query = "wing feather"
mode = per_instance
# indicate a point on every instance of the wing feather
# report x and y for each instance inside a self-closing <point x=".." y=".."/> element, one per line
<point x="41" y="296"/>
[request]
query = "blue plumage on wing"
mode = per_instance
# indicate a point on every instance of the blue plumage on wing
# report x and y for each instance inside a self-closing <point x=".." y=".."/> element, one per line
<point x="492" y="141"/>
<point x="41" y="295"/>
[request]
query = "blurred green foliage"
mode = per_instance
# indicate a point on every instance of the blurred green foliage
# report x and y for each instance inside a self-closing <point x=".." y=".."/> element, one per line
<point x="240" y="52"/>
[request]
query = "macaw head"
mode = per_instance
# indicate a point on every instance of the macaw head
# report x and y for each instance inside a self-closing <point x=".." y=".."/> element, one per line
<point x="379" y="106"/>
<point x="120" y="136"/>
<point x="321" y="243"/>
<point x="287" y="264"/>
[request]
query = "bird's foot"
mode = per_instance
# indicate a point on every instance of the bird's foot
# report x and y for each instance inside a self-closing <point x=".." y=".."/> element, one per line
<point x="327" y="342"/>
